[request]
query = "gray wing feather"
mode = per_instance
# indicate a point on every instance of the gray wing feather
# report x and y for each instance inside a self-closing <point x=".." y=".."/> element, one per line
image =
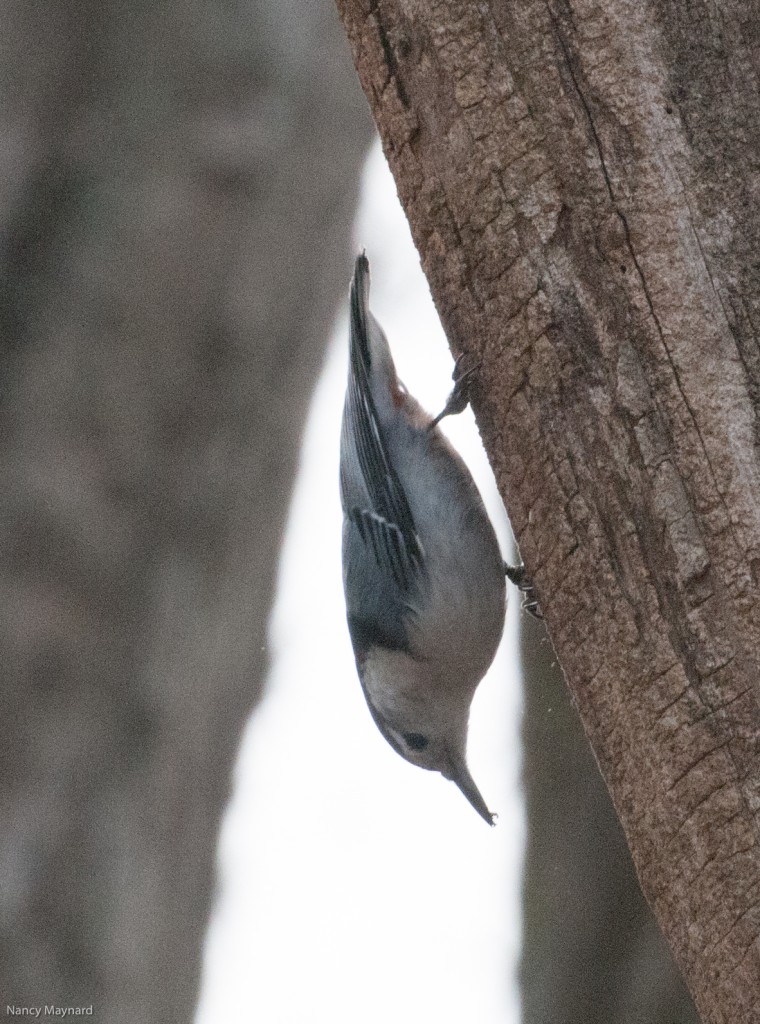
<point x="376" y="607"/>
<point x="373" y="498"/>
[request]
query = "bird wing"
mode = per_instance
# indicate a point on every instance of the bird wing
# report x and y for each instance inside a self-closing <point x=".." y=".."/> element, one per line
<point x="374" y="502"/>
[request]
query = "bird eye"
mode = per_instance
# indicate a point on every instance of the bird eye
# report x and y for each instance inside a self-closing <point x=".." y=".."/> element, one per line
<point x="415" y="740"/>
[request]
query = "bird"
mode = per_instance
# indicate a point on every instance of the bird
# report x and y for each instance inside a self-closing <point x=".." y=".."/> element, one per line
<point x="423" y="576"/>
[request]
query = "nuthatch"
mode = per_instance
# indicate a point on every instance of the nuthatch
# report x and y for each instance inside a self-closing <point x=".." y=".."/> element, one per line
<point x="422" y="571"/>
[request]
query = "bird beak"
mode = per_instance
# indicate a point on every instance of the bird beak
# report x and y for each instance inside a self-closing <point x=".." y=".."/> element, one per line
<point x="460" y="773"/>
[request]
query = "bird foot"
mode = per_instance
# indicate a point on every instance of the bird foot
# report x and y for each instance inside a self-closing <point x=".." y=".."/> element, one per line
<point x="459" y="398"/>
<point x="516" y="574"/>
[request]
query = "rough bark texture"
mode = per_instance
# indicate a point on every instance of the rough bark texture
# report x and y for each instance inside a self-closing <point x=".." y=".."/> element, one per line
<point x="581" y="180"/>
<point x="175" y="232"/>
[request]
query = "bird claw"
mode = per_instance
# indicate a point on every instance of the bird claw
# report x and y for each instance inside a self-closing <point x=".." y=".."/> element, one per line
<point x="459" y="398"/>
<point x="516" y="574"/>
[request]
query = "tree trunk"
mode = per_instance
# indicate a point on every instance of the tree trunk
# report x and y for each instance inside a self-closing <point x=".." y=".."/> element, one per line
<point x="175" y="240"/>
<point x="580" y="181"/>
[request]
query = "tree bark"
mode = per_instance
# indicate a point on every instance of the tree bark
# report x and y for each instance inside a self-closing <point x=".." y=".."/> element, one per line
<point x="175" y="241"/>
<point x="581" y="182"/>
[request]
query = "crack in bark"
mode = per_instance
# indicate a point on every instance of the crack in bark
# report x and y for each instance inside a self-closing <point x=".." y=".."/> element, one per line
<point x="389" y="54"/>
<point x="687" y="821"/>
<point x="703" y="757"/>
<point x="746" y="910"/>
<point x="687" y="689"/>
<point x="629" y="244"/>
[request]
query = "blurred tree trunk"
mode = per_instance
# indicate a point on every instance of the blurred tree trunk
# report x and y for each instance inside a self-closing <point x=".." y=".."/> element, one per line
<point x="592" y="951"/>
<point x="581" y="179"/>
<point x="178" y="186"/>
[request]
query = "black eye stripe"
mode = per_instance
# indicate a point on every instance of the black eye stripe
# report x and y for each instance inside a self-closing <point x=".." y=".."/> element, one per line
<point x="415" y="740"/>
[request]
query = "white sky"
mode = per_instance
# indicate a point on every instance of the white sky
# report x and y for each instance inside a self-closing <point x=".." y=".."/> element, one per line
<point x="353" y="887"/>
